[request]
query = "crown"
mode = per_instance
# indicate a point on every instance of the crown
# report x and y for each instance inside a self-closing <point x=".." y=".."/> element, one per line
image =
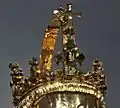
<point x="43" y="79"/>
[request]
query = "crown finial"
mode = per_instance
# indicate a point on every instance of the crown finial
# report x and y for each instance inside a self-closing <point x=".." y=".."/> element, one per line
<point x="71" y="54"/>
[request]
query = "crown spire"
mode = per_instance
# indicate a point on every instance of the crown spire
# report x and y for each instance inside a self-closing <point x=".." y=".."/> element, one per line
<point x="71" y="54"/>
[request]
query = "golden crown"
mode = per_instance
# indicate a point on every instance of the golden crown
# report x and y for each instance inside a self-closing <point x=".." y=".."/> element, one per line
<point x="43" y="80"/>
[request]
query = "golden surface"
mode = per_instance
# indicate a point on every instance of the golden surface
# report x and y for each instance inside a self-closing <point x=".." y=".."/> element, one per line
<point x="68" y="100"/>
<point x="43" y="90"/>
<point x="48" y="45"/>
<point x="48" y="49"/>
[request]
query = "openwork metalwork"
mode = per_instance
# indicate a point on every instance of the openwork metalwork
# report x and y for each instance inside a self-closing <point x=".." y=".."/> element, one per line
<point x="45" y="81"/>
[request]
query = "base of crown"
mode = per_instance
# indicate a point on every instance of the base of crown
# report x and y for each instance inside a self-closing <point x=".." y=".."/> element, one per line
<point x="35" y="95"/>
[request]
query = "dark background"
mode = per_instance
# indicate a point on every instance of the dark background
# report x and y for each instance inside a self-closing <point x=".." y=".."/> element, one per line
<point x="22" y="26"/>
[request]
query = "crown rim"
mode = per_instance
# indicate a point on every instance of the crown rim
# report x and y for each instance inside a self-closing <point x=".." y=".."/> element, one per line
<point x="41" y="91"/>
